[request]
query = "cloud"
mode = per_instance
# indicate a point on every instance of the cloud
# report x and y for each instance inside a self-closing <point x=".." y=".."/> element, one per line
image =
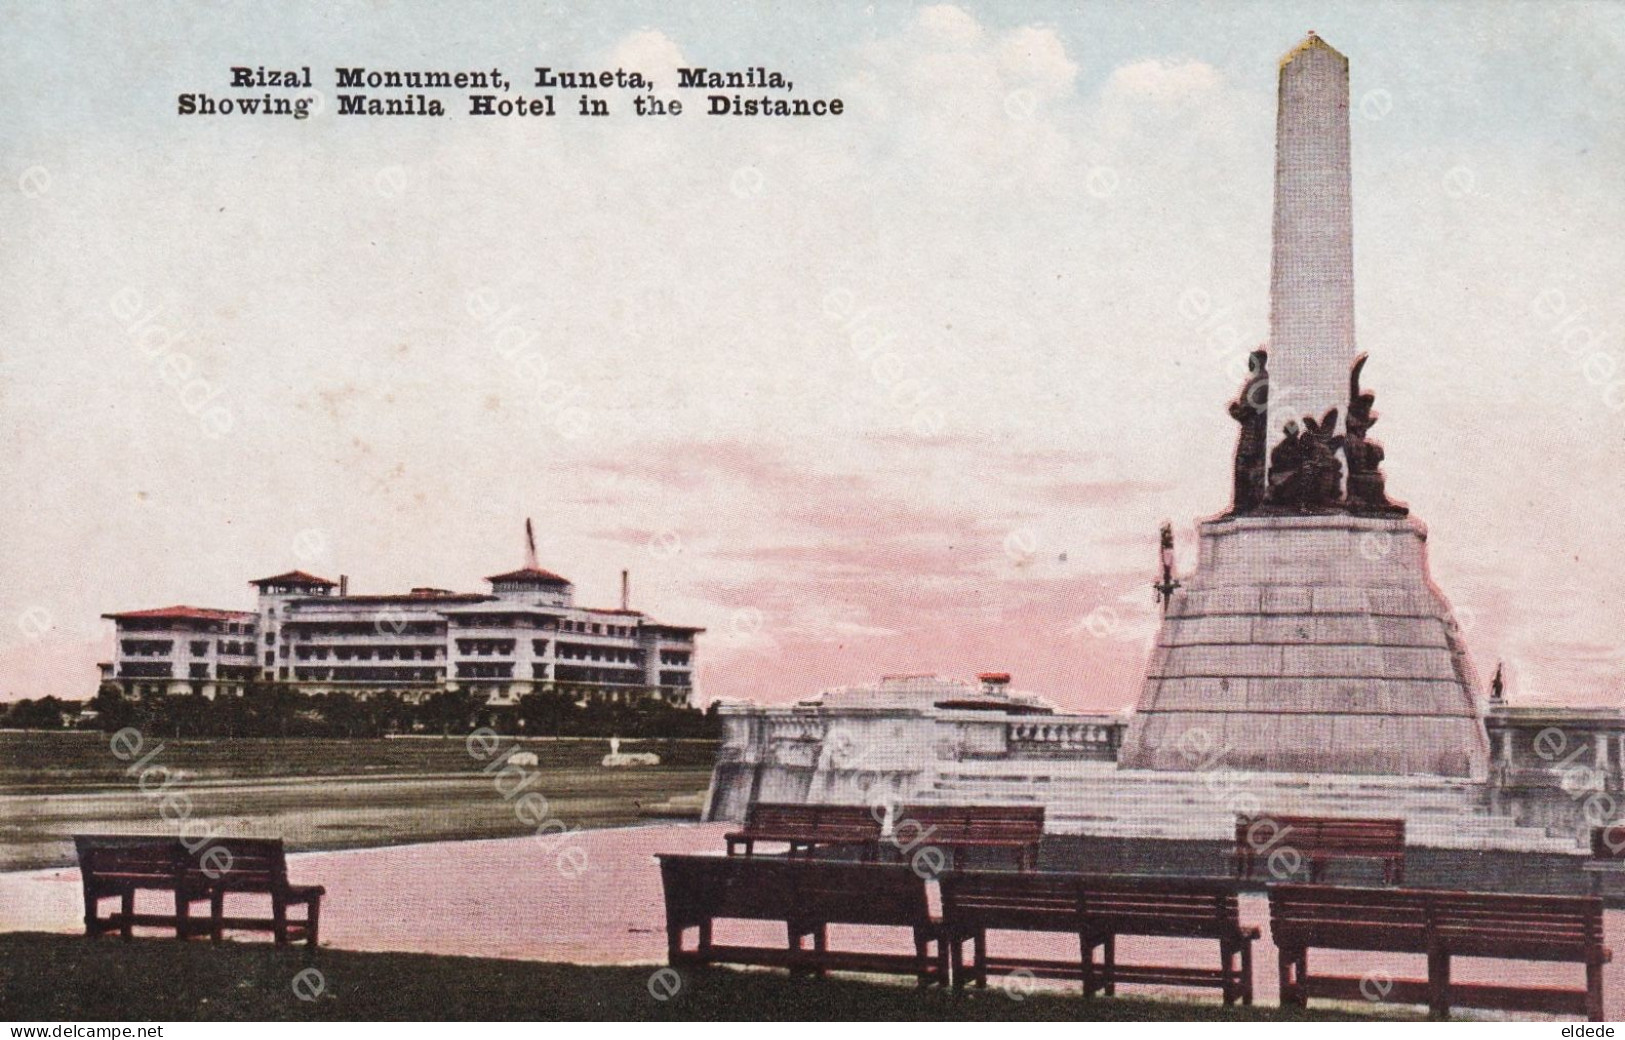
<point x="652" y="53"/>
<point x="981" y="106"/>
<point x="1163" y="82"/>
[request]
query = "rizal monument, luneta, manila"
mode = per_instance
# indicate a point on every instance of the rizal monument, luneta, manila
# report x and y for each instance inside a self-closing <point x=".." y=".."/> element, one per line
<point x="1307" y="664"/>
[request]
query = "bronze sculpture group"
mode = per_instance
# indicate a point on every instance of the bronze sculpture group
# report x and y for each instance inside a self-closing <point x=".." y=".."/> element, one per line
<point x="1303" y="472"/>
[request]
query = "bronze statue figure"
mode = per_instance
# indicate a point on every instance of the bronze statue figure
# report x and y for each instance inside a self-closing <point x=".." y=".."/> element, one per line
<point x="1251" y="410"/>
<point x="1305" y="474"/>
<point x="1366" y="491"/>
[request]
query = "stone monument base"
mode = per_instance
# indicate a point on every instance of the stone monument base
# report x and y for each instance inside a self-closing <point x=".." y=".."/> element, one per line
<point x="1310" y="644"/>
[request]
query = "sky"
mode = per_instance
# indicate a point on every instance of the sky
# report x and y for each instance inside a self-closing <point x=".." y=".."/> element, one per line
<point x="907" y="390"/>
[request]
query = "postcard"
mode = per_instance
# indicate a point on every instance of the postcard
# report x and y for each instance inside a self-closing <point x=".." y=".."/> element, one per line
<point x="731" y="512"/>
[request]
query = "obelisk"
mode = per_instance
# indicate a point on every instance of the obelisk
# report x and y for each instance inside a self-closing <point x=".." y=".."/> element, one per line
<point x="1309" y="639"/>
<point x="1312" y="264"/>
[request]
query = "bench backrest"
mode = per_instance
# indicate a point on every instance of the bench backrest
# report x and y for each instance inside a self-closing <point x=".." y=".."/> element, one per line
<point x="1135" y="904"/>
<point x="1529" y="927"/>
<point x="700" y="888"/>
<point x="247" y="863"/>
<point x="1124" y="904"/>
<point x="967" y="824"/>
<point x="1310" y="834"/>
<point x="1347" y="918"/>
<point x="828" y="822"/>
<point x="130" y="858"/>
<point x="1526" y="926"/>
<point x="1006" y="899"/>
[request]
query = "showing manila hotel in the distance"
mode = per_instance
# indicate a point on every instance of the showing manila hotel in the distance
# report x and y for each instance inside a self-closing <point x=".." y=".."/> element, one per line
<point x="1309" y="650"/>
<point x="313" y="636"/>
<point x="1312" y="759"/>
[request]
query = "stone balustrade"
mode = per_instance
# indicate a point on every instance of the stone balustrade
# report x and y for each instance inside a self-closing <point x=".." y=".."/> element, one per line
<point x="1095" y="738"/>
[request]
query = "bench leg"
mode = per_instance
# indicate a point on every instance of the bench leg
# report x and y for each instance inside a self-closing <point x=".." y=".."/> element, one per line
<point x="279" y="920"/>
<point x="183" y="916"/>
<point x="1438" y="985"/>
<point x="217" y="911"/>
<point x="313" y="920"/>
<point x="1227" y="969"/>
<point x="923" y="959"/>
<point x="1293" y="965"/>
<point x="980" y="944"/>
<point x="1086" y="947"/>
<point x="1594" y="992"/>
<point x="1247" y="972"/>
<point x="1109" y="955"/>
<point x="940" y="966"/>
<point x="127" y="906"/>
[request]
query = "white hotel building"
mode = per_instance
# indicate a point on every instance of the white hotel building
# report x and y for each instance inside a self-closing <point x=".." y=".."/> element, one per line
<point x="526" y="635"/>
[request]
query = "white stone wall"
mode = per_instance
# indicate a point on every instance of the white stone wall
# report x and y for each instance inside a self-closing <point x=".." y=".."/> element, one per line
<point x="847" y="755"/>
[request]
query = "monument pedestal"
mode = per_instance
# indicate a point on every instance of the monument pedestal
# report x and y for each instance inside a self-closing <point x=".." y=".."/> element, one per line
<point x="1310" y="644"/>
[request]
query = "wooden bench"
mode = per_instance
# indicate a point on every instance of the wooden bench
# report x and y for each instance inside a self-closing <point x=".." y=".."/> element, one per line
<point x="805" y="827"/>
<point x="1318" y="840"/>
<point x="1017" y="828"/>
<point x="121" y="866"/>
<point x="807" y="896"/>
<point x="1440" y="925"/>
<point x="258" y="867"/>
<point x="118" y="867"/>
<point x="1098" y="909"/>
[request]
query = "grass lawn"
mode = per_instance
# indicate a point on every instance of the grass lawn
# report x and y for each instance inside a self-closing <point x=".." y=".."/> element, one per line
<point x="49" y="978"/>
<point x="49" y="762"/>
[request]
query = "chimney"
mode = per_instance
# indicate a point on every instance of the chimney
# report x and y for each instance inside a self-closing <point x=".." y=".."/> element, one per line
<point x="626" y="590"/>
<point x="344" y="584"/>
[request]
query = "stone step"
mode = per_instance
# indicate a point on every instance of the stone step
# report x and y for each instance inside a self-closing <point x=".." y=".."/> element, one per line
<point x="1097" y="799"/>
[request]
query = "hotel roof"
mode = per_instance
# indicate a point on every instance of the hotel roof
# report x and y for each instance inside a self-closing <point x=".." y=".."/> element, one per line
<point x="294" y="578"/>
<point x="184" y="613"/>
<point x="535" y="574"/>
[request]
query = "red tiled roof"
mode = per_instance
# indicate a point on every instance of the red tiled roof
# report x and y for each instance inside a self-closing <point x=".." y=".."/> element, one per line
<point x="293" y="578"/>
<point x="182" y="613"/>
<point x="531" y="574"/>
<point x="402" y="597"/>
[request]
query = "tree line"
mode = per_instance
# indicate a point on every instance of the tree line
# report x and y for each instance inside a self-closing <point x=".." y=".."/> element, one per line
<point x="273" y="710"/>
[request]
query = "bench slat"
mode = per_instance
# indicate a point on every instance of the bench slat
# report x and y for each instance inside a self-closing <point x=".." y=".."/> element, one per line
<point x="1442" y="924"/>
<point x="121" y="865"/>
